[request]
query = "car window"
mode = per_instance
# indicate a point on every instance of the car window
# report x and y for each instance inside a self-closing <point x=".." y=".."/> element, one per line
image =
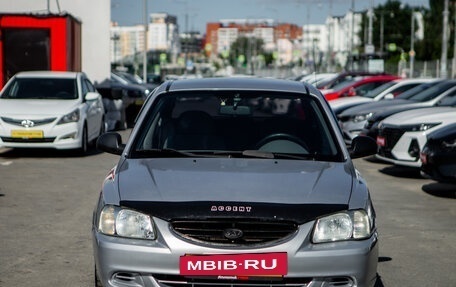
<point x="90" y="86"/>
<point x="416" y="90"/>
<point x="432" y="92"/>
<point x="238" y="121"/>
<point x="363" y="89"/>
<point x="85" y="88"/>
<point x="347" y="82"/>
<point x="375" y="92"/>
<point x="448" y="100"/>
<point x="41" y="88"/>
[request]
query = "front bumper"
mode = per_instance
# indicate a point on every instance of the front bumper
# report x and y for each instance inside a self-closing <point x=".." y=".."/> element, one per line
<point x="127" y="262"/>
<point x="405" y="150"/>
<point x="64" y="136"/>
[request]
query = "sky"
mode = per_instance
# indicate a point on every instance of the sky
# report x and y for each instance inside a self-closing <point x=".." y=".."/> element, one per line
<point x="200" y="12"/>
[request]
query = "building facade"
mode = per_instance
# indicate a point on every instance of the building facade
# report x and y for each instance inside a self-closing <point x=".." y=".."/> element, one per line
<point x="95" y="26"/>
<point x="278" y="38"/>
<point x="128" y="42"/>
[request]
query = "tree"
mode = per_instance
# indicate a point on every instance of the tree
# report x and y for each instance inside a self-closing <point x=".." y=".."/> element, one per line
<point x="247" y="48"/>
<point x="431" y="47"/>
<point x="397" y="26"/>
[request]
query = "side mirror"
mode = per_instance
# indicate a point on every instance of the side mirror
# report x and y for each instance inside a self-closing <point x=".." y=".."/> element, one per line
<point x="91" y="96"/>
<point x="389" y="96"/>
<point x="363" y="146"/>
<point x="110" y="142"/>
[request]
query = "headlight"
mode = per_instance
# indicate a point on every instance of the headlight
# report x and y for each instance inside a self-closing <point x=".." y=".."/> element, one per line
<point x="421" y="127"/>
<point x="125" y="223"/>
<point x="361" y="118"/>
<point x="342" y="226"/>
<point x="449" y="143"/>
<point x="72" y="117"/>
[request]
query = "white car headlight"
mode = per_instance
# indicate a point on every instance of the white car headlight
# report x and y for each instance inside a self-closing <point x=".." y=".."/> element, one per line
<point x="125" y="223"/>
<point x="342" y="226"/>
<point x="361" y="118"/>
<point x="421" y="127"/>
<point x="72" y="117"/>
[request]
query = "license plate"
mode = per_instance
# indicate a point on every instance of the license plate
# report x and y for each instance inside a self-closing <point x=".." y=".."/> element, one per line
<point x="27" y="134"/>
<point x="254" y="264"/>
<point x="381" y="141"/>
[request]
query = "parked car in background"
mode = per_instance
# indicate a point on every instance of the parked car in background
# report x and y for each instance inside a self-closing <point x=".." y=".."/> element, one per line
<point x="135" y="80"/>
<point x="388" y="91"/>
<point x="438" y="156"/>
<point x="316" y="78"/>
<point x="209" y="175"/>
<point x="363" y="119"/>
<point x="402" y="136"/>
<point x="44" y="109"/>
<point x="113" y="104"/>
<point x="358" y="86"/>
<point x="329" y="83"/>
<point x="132" y="96"/>
<point x="443" y="94"/>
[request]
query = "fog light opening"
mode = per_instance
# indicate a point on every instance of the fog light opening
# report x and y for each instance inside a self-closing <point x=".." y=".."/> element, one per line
<point x="414" y="149"/>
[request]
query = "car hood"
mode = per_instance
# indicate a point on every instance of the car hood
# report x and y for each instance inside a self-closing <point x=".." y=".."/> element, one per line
<point x="36" y="108"/>
<point x="349" y="101"/>
<point x="258" y="188"/>
<point x="372" y="107"/>
<point x="243" y="180"/>
<point x="425" y="115"/>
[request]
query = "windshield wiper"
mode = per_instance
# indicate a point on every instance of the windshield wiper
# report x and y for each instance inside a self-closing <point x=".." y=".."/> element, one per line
<point x="275" y="155"/>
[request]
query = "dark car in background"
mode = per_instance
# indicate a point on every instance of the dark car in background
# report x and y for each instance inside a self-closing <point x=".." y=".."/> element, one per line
<point x="440" y="95"/>
<point x="131" y="96"/>
<point x="135" y="79"/>
<point x="361" y="119"/>
<point x="438" y="157"/>
<point x="214" y="188"/>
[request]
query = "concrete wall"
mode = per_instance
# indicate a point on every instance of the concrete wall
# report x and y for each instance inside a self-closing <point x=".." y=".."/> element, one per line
<point x="95" y="17"/>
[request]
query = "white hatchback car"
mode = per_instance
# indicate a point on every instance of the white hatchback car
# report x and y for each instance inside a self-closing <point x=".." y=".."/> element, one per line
<point x="46" y="109"/>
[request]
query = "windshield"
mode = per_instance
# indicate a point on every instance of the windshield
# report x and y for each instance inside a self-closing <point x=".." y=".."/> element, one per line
<point x="377" y="91"/>
<point x="347" y="82"/>
<point x="235" y="123"/>
<point x="41" y="88"/>
<point x="449" y="99"/>
<point x="432" y="92"/>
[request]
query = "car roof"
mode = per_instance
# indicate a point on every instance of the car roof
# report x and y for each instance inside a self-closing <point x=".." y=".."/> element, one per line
<point x="47" y="74"/>
<point x="241" y="83"/>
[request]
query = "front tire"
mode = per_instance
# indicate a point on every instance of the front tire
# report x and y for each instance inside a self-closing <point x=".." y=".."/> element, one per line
<point x="84" y="142"/>
<point x="97" y="282"/>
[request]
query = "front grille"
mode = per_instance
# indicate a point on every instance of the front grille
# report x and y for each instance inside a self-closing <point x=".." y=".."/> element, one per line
<point x="181" y="281"/>
<point x="392" y="136"/>
<point x="29" y="140"/>
<point x="18" y="122"/>
<point x="254" y="232"/>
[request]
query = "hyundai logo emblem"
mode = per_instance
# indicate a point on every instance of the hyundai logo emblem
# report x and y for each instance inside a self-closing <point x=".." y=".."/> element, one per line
<point x="27" y="123"/>
<point x="233" y="233"/>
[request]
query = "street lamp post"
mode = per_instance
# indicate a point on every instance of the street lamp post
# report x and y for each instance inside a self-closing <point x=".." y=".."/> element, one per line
<point x="412" y="44"/>
<point x="443" y="64"/>
<point x="146" y="28"/>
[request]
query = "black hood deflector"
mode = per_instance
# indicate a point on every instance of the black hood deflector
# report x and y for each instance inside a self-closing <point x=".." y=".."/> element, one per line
<point x="299" y="213"/>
